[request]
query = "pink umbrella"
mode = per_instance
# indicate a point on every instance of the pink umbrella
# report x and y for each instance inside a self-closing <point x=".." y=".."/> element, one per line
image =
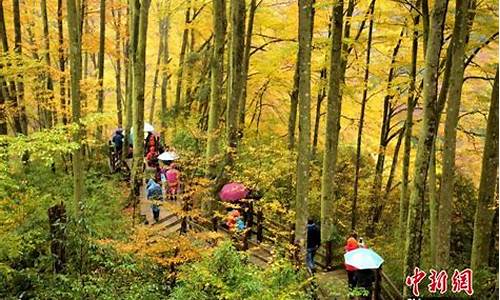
<point x="233" y="192"/>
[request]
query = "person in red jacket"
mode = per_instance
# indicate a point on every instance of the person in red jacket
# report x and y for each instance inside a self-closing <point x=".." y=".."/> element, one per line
<point x="352" y="243"/>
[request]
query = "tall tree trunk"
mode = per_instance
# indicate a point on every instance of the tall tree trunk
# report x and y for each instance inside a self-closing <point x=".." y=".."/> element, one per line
<point x="58" y="221"/>
<point x="328" y="185"/>
<point x="139" y="76"/>
<point x="414" y="236"/>
<point x="49" y="82"/>
<point x="433" y="206"/>
<point x="75" y="48"/>
<point x="133" y="28"/>
<point x="235" y="72"/>
<point x="362" y="118"/>
<point x="157" y="71"/>
<point x="385" y="138"/>
<point x="246" y="60"/>
<point x="394" y="165"/>
<point x="19" y="52"/>
<point x="426" y="24"/>
<point x="188" y="97"/>
<point x="294" y="100"/>
<point x="432" y="193"/>
<point x="10" y="92"/>
<point x="348" y="47"/>
<point x="486" y="197"/>
<point x="4" y="91"/>
<point x="216" y="83"/>
<point x="100" y="61"/>
<point x="117" y="14"/>
<point x="182" y="54"/>
<point x="62" y="62"/>
<point x="319" y="100"/>
<point x="403" y="207"/>
<point x="304" y="146"/>
<point x="164" y="82"/>
<point x="449" y="149"/>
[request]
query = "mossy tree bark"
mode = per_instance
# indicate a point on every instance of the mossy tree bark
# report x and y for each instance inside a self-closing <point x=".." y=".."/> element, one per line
<point x="328" y="185"/>
<point x="133" y="28"/>
<point x="236" y="75"/>
<point x="117" y="16"/>
<point x="294" y="101"/>
<point x="304" y="142"/>
<point x="11" y="88"/>
<point x="450" y="134"/>
<point x="75" y="59"/>
<point x="5" y="94"/>
<point x="19" y="52"/>
<point x="165" y="26"/>
<point x="62" y="62"/>
<point x="414" y="235"/>
<point x="49" y="84"/>
<point x="100" y="61"/>
<point x="410" y="105"/>
<point x="486" y="198"/>
<point x="139" y="76"/>
<point x="216" y="83"/>
<point x="246" y="60"/>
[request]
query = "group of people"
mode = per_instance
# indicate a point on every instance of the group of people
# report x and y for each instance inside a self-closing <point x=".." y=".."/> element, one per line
<point x="235" y="221"/>
<point x="165" y="184"/>
<point x="361" y="279"/>
<point x="152" y="146"/>
<point x="356" y="278"/>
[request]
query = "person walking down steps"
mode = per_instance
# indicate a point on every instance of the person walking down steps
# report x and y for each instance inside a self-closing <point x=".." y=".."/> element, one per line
<point x="173" y="180"/>
<point x="154" y="193"/>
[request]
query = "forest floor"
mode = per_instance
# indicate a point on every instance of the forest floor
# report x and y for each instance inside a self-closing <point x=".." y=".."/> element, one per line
<point x="332" y="285"/>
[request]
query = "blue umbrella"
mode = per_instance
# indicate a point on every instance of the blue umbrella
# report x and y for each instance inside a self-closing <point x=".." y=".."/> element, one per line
<point x="363" y="259"/>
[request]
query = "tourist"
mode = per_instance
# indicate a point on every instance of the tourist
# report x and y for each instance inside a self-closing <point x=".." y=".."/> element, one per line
<point x="313" y="243"/>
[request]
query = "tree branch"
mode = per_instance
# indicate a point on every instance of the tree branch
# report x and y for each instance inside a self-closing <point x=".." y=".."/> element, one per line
<point x="476" y="51"/>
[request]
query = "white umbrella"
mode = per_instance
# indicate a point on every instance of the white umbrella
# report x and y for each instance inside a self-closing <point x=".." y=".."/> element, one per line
<point x="148" y="127"/>
<point x="166" y="156"/>
<point x="363" y="259"/>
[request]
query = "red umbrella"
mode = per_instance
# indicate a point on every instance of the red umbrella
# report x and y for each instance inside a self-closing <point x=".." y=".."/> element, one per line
<point x="233" y="192"/>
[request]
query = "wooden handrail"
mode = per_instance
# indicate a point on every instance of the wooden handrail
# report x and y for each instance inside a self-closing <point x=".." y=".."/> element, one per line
<point x="391" y="288"/>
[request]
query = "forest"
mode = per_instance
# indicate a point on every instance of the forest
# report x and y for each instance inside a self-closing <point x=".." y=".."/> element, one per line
<point x="281" y="139"/>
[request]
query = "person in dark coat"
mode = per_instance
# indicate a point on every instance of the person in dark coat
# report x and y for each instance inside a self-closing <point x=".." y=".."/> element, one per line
<point x="365" y="279"/>
<point x="117" y="140"/>
<point x="313" y="243"/>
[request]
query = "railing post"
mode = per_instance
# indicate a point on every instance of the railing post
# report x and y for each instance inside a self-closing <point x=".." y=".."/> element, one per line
<point x="328" y="255"/>
<point x="215" y="220"/>
<point x="260" y="221"/>
<point x="378" y="283"/>
<point x="185" y="209"/>
<point x="246" y="236"/>
<point x="250" y="215"/>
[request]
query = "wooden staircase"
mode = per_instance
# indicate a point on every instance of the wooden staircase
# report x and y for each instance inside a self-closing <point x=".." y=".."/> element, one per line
<point x="258" y="243"/>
